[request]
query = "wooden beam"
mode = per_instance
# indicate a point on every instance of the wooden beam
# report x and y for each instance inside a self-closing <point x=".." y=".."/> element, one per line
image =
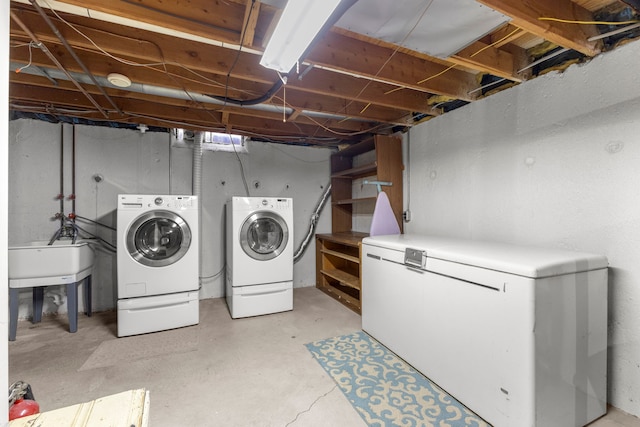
<point x="60" y="98"/>
<point x="342" y="53"/>
<point x="250" y="21"/>
<point x="214" y="63"/>
<point x="505" y="35"/>
<point x="488" y="59"/>
<point x="573" y="36"/>
<point x="142" y="111"/>
<point x="102" y="65"/>
<point x="272" y="26"/>
<point x="219" y="20"/>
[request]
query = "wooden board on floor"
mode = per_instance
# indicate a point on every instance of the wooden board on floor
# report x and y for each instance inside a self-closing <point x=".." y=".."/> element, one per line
<point x="129" y="408"/>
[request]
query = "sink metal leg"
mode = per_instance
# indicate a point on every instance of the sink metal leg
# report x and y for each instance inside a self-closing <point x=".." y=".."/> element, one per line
<point x="87" y="295"/>
<point x="38" y="301"/>
<point x="72" y="306"/>
<point x="13" y="313"/>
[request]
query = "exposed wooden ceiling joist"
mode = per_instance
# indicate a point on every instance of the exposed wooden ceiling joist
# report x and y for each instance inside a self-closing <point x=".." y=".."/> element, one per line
<point x="526" y="15"/>
<point x="349" y="84"/>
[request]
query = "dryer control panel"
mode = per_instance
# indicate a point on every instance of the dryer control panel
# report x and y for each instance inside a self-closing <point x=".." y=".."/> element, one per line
<point x="273" y="203"/>
<point x="175" y="202"/>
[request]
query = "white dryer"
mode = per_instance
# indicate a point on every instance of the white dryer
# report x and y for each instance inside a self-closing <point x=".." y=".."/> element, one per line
<point x="259" y="268"/>
<point x="158" y="263"/>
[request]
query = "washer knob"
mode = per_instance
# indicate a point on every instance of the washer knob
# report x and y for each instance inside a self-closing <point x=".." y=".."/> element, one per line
<point x="265" y="202"/>
<point x="158" y="201"/>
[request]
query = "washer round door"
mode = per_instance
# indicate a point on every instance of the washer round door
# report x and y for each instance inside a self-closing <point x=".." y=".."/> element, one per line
<point x="264" y="235"/>
<point x="158" y="238"/>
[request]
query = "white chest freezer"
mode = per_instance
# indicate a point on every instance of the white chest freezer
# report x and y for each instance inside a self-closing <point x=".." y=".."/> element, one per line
<point x="517" y="334"/>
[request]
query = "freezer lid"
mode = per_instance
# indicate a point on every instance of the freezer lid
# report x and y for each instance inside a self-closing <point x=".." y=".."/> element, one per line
<point x="527" y="261"/>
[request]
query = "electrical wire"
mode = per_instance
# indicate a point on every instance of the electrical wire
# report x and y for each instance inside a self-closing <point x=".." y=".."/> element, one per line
<point x="226" y="85"/>
<point x="496" y="42"/>
<point x="96" y="222"/>
<point x="150" y="65"/>
<point x="235" y="61"/>
<point x="472" y="55"/>
<point x="569" y="21"/>
<point x="213" y="276"/>
<point x="31" y="44"/>
<point x="106" y="244"/>
<point x="244" y="178"/>
<point x="384" y="64"/>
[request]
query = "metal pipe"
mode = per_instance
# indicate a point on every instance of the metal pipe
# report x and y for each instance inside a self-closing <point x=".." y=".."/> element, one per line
<point x="73" y="54"/>
<point x="544" y="58"/>
<point x="190" y="96"/>
<point x="57" y="63"/>
<point x="61" y="193"/>
<point x="614" y="32"/>
<point x="315" y="216"/>
<point x="73" y="174"/>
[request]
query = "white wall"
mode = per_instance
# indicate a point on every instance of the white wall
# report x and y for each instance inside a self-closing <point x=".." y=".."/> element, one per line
<point x="552" y="162"/>
<point x="131" y="162"/>
<point x="4" y="157"/>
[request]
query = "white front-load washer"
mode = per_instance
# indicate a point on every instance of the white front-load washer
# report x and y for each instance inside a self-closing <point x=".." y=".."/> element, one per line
<point x="158" y="262"/>
<point x="259" y="267"/>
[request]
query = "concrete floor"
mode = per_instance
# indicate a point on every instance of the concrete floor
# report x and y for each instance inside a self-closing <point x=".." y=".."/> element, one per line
<point x="244" y="372"/>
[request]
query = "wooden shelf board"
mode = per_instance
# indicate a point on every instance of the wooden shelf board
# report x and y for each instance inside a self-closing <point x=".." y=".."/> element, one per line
<point x="349" y="238"/>
<point x="358" y="148"/>
<point x="358" y="171"/>
<point x="354" y="201"/>
<point x="343" y="277"/>
<point x="342" y="255"/>
<point x="342" y="297"/>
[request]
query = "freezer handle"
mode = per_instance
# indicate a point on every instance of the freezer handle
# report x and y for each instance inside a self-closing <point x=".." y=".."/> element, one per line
<point x="415" y="258"/>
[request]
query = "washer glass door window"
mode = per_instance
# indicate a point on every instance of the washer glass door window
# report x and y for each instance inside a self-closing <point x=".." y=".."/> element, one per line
<point x="158" y="238"/>
<point x="264" y="235"/>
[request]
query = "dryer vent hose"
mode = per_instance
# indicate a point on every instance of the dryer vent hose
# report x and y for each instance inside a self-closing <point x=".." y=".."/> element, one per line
<point x="315" y="216"/>
<point x="196" y="181"/>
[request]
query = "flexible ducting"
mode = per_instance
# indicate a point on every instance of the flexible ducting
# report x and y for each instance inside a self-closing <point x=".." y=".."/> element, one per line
<point x="315" y="216"/>
<point x="196" y="183"/>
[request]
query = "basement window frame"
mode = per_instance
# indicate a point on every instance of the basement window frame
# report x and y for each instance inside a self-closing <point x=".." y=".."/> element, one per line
<point x="212" y="141"/>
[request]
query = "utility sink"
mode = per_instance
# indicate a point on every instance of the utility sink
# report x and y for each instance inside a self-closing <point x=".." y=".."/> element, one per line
<point x="39" y="264"/>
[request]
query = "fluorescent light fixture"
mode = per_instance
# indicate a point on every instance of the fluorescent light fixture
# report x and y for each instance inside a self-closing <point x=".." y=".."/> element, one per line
<point x="298" y="26"/>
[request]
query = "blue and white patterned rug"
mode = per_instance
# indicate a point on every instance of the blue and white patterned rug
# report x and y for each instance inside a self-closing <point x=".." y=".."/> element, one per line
<point x="384" y="389"/>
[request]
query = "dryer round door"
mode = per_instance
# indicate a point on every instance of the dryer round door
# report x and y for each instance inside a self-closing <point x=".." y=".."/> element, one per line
<point x="264" y="235"/>
<point x="158" y="238"/>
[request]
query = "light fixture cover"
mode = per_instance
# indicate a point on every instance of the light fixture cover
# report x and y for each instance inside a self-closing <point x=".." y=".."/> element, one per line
<point x="298" y="26"/>
<point x="119" y="80"/>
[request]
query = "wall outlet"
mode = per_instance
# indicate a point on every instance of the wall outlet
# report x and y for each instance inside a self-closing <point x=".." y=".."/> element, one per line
<point x="406" y="215"/>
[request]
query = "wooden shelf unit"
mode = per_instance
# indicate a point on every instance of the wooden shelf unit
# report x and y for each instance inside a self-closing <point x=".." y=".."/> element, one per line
<point x="338" y="254"/>
<point x="338" y="266"/>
